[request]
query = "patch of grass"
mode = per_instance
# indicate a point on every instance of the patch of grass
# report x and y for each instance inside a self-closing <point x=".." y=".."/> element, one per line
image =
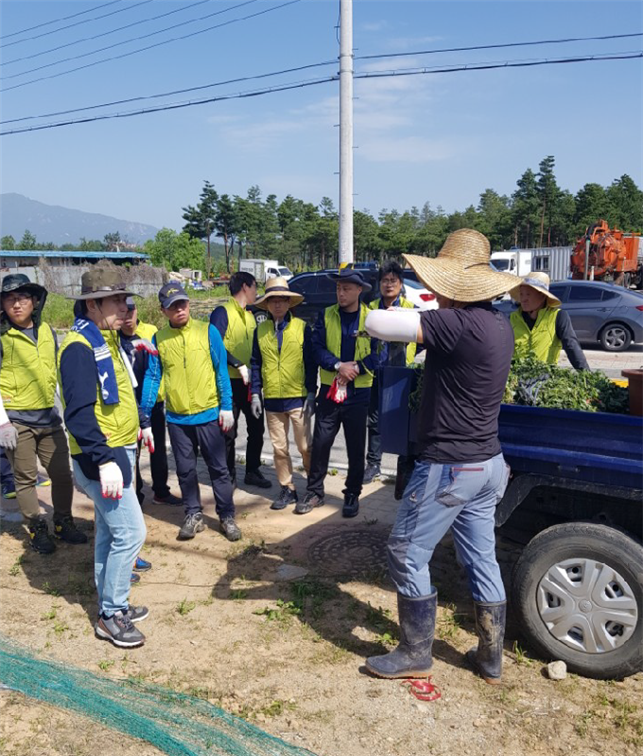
<point x="312" y="594"/>
<point x="238" y="594"/>
<point x="521" y="655"/>
<point x="283" y="612"/>
<point x="378" y="619"/>
<point x="184" y="607"/>
<point x="277" y="707"/>
<point x="59" y="311"/>
<point x="51" y="614"/>
<point x="105" y="664"/>
<point x="386" y="639"/>
<point x="15" y="567"/>
<point x="581" y="725"/>
<point x="368" y="521"/>
<point x="333" y="471"/>
<point x="49" y="589"/>
<point x="449" y="623"/>
<point x="60" y="628"/>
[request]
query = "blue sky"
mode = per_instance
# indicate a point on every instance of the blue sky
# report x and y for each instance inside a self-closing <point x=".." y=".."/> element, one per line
<point x="440" y="138"/>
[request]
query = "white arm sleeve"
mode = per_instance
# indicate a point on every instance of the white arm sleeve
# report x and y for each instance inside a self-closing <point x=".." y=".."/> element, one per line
<point x="3" y="415"/>
<point x="393" y="325"/>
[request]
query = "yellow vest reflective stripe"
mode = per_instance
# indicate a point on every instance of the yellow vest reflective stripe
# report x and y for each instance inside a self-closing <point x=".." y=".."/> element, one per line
<point x="411" y="348"/>
<point x="283" y="373"/>
<point x="541" y="342"/>
<point x="333" y="325"/>
<point x="28" y="375"/>
<point x="188" y="373"/>
<point x="238" y="337"/>
<point x="147" y="331"/>
<point x="118" y="422"/>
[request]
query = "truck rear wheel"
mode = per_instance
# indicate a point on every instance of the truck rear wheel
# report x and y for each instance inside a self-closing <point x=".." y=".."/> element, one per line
<point x="578" y="592"/>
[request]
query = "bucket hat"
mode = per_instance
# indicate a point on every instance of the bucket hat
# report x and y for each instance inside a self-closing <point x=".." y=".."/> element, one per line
<point x="99" y="283"/>
<point x="538" y="281"/>
<point x="17" y="281"/>
<point x="350" y="275"/>
<point x="462" y="269"/>
<point x="278" y="287"/>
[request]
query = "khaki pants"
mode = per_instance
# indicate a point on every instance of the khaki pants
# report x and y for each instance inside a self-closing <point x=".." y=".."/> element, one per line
<point x="49" y="445"/>
<point x="278" y="426"/>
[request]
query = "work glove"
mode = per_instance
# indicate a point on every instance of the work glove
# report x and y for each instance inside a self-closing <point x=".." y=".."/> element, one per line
<point x="309" y="405"/>
<point x="337" y="392"/>
<point x="144" y="345"/>
<point x="111" y="480"/>
<point x="8" y="436"/>
<point x="245" y="374"/>
<point x="255" y="406"/>
<point x="147" y="437"/>
<point x="226" y="420"/>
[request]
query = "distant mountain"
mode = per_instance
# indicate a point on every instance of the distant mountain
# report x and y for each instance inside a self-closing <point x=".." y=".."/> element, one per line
<point x="61" y="225"/>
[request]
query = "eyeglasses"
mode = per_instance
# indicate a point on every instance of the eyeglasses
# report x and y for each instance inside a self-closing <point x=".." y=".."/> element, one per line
<point x="9" y="300"/>
<point x="390" y="280"/>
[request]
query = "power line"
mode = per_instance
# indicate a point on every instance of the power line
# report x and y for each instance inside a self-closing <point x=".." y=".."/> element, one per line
<point x="103" y="34"/>
<point x="78" y="23"/>
<point x="158" y="44"/>
<point x="315" y="82"/>
<point x="65" y="18"/>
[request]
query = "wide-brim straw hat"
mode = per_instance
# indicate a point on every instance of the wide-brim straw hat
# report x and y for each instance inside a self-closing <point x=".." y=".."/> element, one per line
<point x="278" y="287"/>
<point x="538" y="281"/>
<point x="462" y="269"/>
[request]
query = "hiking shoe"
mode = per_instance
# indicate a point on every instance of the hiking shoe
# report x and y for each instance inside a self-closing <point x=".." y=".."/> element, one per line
<point x="42" y="481"/>
<point x="257" y="478"/>
<point x="192" y="525"/>
<point x="286" y="496"/>
<point x="41" y="541"/>
<point x="119" y="630"/>
<point x="65" y="529"/>
<point x="311" y="501"/>
<point x="230" y="529"/>
<point x="371" y="473"/>
<point x="351" y="505"/>
<point x="134" y="578"/>
<point x="8" y="491"/>
<point x="142" y="565"/>
<point x="137" y="613"/>
<point x="170" y="500"/>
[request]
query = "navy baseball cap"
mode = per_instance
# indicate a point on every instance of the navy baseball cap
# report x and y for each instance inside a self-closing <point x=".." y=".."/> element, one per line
<point x="170" y="293"/>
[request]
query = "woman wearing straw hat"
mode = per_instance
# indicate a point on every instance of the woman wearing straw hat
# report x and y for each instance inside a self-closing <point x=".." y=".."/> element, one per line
<point x="460" y="474"/>
<point x="540" y="327"/>
<point x="283" y="367"/>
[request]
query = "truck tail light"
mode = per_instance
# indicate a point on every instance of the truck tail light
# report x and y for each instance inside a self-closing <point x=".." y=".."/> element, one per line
<point x="431" y="297"/>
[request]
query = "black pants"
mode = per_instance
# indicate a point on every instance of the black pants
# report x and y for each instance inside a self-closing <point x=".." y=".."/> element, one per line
<point x="158" y="460"/>
<point x="328" y="417"/>
<point x="255" y="427"/>
<point x="374" y="453"/>
<point x="187" y="441"/>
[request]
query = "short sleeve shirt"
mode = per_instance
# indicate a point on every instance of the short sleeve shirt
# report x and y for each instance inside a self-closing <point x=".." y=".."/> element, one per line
<point x="469" y="353"/>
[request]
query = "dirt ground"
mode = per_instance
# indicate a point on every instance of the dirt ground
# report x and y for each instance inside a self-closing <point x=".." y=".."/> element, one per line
<point x="275" y="629"/>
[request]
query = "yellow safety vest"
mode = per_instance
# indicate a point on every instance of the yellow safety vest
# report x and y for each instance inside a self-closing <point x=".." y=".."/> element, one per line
<point x="147" y="331"/>
<point x="541" y="341"/>
<point x="333" y="325"/>
<point x="283" y="373"/>
<point x="190" y="380"/>
<point x="239" y="334"/>
<point x="411" y="348"/>
<point x="28" y="375"/>
<point x="118" y="422"/>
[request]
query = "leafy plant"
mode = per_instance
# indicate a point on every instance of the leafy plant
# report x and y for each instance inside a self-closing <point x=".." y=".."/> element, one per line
<point x="282" y="613"/>
<point x="15" y="567"/>
<point x="185" y="607"/>
<point x="105" y="664"/>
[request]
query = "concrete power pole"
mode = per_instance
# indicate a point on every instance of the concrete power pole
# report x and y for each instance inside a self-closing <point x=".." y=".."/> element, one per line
<point x="346" y="132"/>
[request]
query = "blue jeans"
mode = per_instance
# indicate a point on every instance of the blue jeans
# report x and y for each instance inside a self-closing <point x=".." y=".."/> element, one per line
<point x="463" y="497"/>
<point x="120" y="534"/>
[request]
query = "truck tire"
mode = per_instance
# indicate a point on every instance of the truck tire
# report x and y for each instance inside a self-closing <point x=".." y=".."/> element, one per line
<point x="577" y="589"/>
<point x="615" y="337"/>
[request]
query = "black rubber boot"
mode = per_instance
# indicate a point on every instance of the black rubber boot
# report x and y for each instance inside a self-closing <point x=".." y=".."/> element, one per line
<point x="412" y="658"/>
<point x="490" y="629"/>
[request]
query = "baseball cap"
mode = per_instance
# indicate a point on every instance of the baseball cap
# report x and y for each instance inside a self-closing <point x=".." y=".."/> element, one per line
<point x="170" y="293"/>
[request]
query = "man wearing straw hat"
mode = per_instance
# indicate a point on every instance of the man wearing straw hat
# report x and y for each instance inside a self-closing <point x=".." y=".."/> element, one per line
<point x="540" y="327"/>
<point x="283" y="366"/>
<point x="460" y="475"/>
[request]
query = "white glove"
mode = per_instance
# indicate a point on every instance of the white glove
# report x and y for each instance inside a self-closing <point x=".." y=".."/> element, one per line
<point x="226" y="419"/>
<point x="255" y="406"/>
<point x="245" y="374"/>
<point x="8" y="436"/>
<point x="111" y="480"/>
<point x="147" y="437"/>
<point x="309" y="405"/>
<point x="397" y="325"/>
<point x="144" y="345"/>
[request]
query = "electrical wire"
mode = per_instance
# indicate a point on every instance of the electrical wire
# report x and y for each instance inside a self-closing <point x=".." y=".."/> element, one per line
<point x="315" y="82"/>
<point x="65" y="18"/>
<point x="157" y="44"/>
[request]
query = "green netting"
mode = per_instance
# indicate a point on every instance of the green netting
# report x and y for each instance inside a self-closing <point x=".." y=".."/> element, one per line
<point x="176" y="723"/>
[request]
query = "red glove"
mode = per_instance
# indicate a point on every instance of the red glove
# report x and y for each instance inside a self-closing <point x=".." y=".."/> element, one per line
<point x="143" y="345"/>
<point x="337" y="392"/>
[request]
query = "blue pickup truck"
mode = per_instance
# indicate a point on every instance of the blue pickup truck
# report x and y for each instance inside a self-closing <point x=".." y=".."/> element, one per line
<point x="577" y="480"/>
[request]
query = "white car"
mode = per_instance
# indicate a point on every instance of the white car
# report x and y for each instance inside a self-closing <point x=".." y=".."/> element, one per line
<point x="421" y="297"/>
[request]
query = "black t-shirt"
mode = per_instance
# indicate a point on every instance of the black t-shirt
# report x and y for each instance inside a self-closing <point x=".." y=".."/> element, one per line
<point x="468" y="358"/>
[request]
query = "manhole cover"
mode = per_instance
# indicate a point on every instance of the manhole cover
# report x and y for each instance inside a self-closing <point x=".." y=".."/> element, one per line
<point x="350" y="553"/>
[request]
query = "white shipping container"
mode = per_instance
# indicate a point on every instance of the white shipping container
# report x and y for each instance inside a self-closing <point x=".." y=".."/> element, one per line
<point x="555" y="261"/>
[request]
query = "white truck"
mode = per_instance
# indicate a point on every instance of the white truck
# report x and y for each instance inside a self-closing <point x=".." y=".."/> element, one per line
<point x="262" y="270"/>
<point x="551" y="260"/>
<point x="516" y="261"/>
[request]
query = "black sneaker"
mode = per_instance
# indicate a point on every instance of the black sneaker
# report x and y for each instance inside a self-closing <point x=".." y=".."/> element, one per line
<point x="137" y="613"/>
<point x="256" y="478"/>
<point x="351" y="505"/>
<point x="311" y="501"/>
<point x="230" y="529"/>
<point x="39" y="536"/>
<point x="169" y="500"/>
<point x="286" y="496"/>
<point x="119" y="630"/>
<point x="371" y="473"/>
<point x="192" y="525"/>
<point x="65" y="529"/>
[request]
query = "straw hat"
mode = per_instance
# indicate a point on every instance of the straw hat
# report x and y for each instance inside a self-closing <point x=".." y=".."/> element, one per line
<point x="461" y="271"/>
<point x="278" y="287"/>
<point x="540" y="283"/>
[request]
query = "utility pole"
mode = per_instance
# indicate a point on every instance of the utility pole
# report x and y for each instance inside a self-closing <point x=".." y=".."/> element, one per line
<point x="346" y="132"/>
